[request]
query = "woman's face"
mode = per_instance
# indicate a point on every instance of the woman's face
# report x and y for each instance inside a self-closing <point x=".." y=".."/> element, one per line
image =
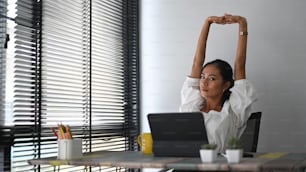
<point x="211" y="83"/>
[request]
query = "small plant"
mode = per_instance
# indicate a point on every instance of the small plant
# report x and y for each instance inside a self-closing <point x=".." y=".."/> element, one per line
<point x="234" y="143"/>
<point x="209" y="146"/>
<point x="208" y="153"/>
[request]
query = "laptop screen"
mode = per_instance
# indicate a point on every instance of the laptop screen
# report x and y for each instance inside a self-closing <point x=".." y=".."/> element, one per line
<point x="177" y="134"/>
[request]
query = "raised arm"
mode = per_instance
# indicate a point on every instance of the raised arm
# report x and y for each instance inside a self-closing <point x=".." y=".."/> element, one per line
<point x="199" y="57"/>
<point x="240" y="60"/>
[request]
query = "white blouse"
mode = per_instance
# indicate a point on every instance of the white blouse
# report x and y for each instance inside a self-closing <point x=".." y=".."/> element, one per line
<point x="231" y="121"/>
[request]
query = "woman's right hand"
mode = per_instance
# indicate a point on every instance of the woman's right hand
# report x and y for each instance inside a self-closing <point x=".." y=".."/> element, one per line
<point x="216" y="19"/>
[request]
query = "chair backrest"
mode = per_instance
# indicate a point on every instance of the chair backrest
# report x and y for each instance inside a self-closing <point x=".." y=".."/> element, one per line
<point x="249" y="138"/>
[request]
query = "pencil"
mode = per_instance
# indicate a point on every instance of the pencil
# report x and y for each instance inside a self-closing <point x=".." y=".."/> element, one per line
<point x="68" y="131"/>
<point x="61" y="129"/>
<point x="54" y="132"/>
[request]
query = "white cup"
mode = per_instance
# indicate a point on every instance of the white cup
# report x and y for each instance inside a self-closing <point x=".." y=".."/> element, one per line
<point x="69" y="148"/>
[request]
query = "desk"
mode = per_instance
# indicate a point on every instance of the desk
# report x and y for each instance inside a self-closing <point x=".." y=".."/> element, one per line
<point x="262" y="162"/>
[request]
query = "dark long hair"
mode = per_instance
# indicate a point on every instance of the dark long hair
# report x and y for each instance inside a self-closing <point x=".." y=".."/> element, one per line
<point x="226" y="72"/>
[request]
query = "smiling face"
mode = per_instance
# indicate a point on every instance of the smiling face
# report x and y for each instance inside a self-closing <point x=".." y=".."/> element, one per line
<point x="212" y="85"/>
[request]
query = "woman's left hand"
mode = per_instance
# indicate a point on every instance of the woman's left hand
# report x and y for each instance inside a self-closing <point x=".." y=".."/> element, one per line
<point x="229" y="19"/>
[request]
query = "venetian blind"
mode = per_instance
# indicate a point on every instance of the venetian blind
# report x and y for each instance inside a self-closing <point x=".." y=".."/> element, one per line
<point x="26" y="84"/>
<point x="3" y="44"/>
<point x="6" y="50"/>
<point x="65" y="72"/>
<point x="77" y="65"/>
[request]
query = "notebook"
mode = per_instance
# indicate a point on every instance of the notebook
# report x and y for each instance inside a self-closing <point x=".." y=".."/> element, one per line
<point x="177" y="134"/>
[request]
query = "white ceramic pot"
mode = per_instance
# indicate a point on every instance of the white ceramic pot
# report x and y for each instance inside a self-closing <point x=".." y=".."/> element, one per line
<point x="208" y="155"/>
<point x="233" y="155"/>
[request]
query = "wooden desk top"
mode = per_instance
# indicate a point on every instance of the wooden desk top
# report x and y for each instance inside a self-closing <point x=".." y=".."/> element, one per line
<point x="262" y="162"/>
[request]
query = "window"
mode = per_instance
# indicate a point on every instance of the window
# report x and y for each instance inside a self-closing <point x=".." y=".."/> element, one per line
<point x="75" y="63"/>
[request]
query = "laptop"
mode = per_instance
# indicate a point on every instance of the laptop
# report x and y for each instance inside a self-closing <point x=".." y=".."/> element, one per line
<point x="177" y="134"/>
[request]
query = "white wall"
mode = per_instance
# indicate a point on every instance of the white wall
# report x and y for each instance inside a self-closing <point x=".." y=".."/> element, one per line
<point x="276" y="59"/>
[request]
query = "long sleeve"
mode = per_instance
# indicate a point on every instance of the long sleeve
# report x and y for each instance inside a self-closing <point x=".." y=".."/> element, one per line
<point x="191" y="100"/>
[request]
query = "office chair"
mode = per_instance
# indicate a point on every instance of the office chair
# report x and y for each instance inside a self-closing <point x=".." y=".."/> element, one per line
<point x="249" y="138"/>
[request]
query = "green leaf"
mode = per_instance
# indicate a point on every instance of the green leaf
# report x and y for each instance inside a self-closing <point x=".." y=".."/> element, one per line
<point x="234" y="143"/>
<point x="209" y="146"/>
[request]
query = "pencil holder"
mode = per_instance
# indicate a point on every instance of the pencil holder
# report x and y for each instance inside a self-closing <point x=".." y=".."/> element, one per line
<point x="69" y="148"/>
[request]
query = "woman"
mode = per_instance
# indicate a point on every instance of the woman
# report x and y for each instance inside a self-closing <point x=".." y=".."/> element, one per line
<point x="211" y="89"/>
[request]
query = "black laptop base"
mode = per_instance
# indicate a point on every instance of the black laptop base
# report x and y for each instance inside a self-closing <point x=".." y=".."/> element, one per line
<point x="177" y="149"/>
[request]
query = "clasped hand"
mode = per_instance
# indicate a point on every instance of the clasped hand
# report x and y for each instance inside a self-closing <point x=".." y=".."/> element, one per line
<point x="226" y="19"/>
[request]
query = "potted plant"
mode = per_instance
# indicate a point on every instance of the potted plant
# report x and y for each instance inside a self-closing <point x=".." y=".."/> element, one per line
<point x="234" y="150"/>
<point x="208" y="153"/>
